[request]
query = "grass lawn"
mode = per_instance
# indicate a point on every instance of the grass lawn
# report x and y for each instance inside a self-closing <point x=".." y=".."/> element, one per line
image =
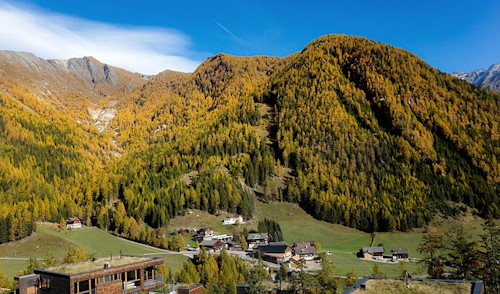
<point x="95" y="241"/>
<point x="397" y="286"/>
<point x="102" y="243"/>
<point x="296" y="224"/>
<point x="344" y="242"/>
<point x="12" y="267"/>
<point x="364" y="268"/>
<point x="37" y="245"/>
<point x="341" y="241"/>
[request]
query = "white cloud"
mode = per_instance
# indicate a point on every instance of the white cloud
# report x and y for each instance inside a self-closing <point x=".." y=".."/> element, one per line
<point x="54" y="36"/>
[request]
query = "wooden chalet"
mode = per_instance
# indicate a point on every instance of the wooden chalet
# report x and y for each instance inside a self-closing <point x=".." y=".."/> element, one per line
<point x="400" y="253"/>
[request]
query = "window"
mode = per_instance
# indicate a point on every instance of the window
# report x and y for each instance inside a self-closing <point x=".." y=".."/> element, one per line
<point x="133" y="275"/>
<point x="105" y="279"/>
<point x="45" y="283"/>
<point x="131" y="279"/>
<point x="84" y="286"/>
<point x="148" y="273"/>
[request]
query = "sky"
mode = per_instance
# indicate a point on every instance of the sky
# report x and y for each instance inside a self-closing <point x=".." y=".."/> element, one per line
<point x="150" y="36"/>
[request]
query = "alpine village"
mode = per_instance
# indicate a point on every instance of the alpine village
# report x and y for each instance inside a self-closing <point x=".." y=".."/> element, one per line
<point x="349" y="167"/>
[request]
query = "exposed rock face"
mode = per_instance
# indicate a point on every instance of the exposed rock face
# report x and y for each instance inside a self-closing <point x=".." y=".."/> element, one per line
<point x="88" y="69"/>
<point x="77" y="75"/>
<point x="76" y="83"/>
<point x="101" y="117"/>
<point x="488" y="78"/>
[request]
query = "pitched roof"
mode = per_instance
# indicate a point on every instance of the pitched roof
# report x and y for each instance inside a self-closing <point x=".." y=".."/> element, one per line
<point x="257" y="236"/>
<point x="304" y="247"/>
<point x="276" y="243"/>
<point x="209" y="243"/>
<point x="372" y="250"/>
<point x="304" y="243"/>
<point x="72" y="220"/>
<point x="400" y="251"/>
<point x="306" y="250"/>
<point x="273" y="248"/>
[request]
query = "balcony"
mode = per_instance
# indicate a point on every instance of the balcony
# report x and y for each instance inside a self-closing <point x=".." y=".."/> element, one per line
<point x="153" y="281"/>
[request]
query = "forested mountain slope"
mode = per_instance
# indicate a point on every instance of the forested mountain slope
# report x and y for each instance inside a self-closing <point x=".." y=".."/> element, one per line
<point x="378" y="138"/>
<point x="72" y="86"/>
<point x="374" y="138"/>
<point x="48" y="162"/>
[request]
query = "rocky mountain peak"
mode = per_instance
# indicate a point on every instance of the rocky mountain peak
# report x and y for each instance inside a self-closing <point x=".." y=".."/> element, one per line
<point x="488" y="78"/>
<point x="60" y="77"/>
<point x="87" y="68"/>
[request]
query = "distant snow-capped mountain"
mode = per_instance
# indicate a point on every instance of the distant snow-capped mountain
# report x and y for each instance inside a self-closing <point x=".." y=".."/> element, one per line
<point x="488" y="78"/>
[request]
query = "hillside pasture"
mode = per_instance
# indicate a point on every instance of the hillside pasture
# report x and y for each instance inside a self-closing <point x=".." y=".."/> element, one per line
<point x="97" y="242"/>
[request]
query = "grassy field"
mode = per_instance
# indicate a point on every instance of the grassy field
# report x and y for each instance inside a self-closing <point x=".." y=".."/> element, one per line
<point x="341" y="241"/>
<point x="11" y="267"/>
<point x="95" y="241"/>
<point x="296" y="224"/>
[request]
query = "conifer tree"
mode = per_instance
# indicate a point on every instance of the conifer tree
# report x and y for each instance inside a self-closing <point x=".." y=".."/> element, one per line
<point x="325" y="277"/>
<point x="376" y="272"/>
<point x="243" y="242"/>
<point x="62" y="225"/>
<point x="50" y="259"/>
<point x="462" y="253"/>
<point x="490" y="255"/>
<point x="76" y="254"/>
<point x="432" y="244"/>
<point x="5" y="282"/>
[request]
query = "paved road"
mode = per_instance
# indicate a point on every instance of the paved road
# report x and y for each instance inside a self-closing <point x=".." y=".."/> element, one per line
<point x="187" y="253"/>
<point x="18" y="258"/>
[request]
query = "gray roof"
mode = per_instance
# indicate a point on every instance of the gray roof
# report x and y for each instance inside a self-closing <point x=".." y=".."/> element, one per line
<point x="257" y="236"/>
<point x="372" y="250"/>
<point x="304" y="250"/>
<point x="400" y="251"/>
<point x="208" y="243"/>
<point x="303" y="243"/>
<point x="272" y="249"/>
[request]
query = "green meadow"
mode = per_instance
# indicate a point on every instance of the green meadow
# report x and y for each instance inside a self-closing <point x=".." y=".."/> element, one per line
<point x="342" y="242"/>
<point x="95" y="241"/>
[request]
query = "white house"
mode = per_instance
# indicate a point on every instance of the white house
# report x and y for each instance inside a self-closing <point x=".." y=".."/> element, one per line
<point x="232" y="220"/>
<point x="73" y="223"/>
<point x="204" y="234"/>
<point x="255" y="239"/>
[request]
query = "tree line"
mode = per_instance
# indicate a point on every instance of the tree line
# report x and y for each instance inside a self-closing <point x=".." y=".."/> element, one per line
<point x="456" y="254"/>
<point x="375" y="139"/>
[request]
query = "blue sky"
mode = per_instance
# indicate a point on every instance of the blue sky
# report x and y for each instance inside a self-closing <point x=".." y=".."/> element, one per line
<point x="149" y="36"/>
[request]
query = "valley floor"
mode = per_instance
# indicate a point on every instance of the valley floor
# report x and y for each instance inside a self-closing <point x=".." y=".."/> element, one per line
<point x="342" y="242"/>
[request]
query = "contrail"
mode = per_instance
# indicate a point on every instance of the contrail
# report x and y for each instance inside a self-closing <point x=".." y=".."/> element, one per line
<point x="225" y="29"/>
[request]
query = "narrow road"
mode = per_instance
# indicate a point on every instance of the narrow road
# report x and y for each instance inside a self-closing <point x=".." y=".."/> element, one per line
<point x="18" y="258"/>
<point x="163" y="251"/>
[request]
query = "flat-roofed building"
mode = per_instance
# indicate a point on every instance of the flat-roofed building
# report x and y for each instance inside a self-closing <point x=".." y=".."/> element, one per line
<point x="414" y="285"/>
<point x="114" y="274"/>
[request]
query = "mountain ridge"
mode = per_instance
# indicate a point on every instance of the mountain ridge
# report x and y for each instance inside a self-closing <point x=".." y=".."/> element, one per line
<point x="75" y="85"/>
<point x="86" y="75"/>
<point x="360" y="133"/>
<point x="488" y="78"/>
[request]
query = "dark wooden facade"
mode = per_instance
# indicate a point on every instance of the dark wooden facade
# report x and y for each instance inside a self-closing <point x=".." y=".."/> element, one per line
<point x="135" y="277"/>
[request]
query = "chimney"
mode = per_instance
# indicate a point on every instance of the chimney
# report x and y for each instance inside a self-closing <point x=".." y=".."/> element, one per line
<point x="106" y="265"/>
